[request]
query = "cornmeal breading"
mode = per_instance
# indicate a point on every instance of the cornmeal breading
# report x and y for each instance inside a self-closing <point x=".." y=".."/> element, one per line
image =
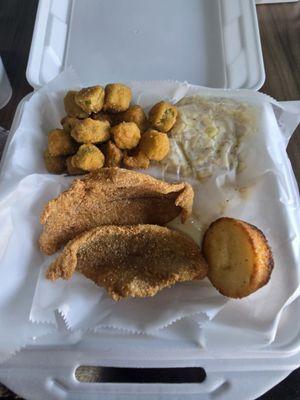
<point x="112" y="196"/>
<point x="131" y="261"/>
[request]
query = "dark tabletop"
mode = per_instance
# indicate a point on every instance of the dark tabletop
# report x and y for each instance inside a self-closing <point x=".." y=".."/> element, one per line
<point x="280" y="35"/>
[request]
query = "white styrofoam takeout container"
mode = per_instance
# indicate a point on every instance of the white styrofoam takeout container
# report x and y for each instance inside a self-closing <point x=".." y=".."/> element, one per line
<point x="212" y="43"/>
<point x="5" y="87"/>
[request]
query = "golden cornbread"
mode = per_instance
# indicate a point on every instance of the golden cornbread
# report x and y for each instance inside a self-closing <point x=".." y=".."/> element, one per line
<point x="238" y="255"/>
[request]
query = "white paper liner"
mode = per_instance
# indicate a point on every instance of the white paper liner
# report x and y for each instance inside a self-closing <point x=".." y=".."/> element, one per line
<point x="264" y="194"/>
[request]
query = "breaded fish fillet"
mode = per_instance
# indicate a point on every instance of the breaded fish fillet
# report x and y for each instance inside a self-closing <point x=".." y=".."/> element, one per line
<point x="112" y="196"/>
<point x="131" y="261"/>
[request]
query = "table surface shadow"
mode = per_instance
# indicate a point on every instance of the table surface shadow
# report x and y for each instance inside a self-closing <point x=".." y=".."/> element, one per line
<point x="280" y="34"/>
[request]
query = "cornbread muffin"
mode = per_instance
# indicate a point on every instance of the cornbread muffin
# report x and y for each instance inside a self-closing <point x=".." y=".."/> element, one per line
<point x="238" y="255"/>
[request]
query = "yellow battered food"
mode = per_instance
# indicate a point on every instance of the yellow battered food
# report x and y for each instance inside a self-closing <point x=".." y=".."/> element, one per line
<point x="113" y="155"/>
<point x="54" y="164"/>
<point x="72" y="108"/>
<point x="126" y="135"/>
<point x="112" y="196"/>
<point x="60" y="143"/>
<point x="238" y="255"/>
<point x="136" y="160"/>
<point x="91" y="131"/>
<point x="102" y="116"/>
<point x="131" y="261"/>
<point x="134" y="114"/>
<point x="90" y="99"/>
<point x="88" y="158"/>
<point x="117" y="97"/>
<point x="68" y="123"/>
<point x="155" y="145"/>
<point x="162" y="116"/>
<point x="73" y="170"/>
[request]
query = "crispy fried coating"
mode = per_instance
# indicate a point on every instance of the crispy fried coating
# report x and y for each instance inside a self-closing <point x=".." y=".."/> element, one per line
<point x="60" y="143"/>
<point x="136" y="159"/>
<point x="155" y="145"/>
<point x="90" y="99"/>
<point x="102" y="116"/>
<point x="131" y="261"/>
<point x="162" y="116"/>
<point x="238" y="255"/>
<point x="88" y="158"/>
<point x="72" y="108"/>
<point x="112" y="196"/>
<point x="73" y="170"/>
<point x="68" y="123"/>
<point x="54" y="164"/>
<point x="134" y="114"/>
<point x="117" y="97"/>
<point x="113" y="155"/>
<point x="126" y="135"/>
<point x="89" y="130"/>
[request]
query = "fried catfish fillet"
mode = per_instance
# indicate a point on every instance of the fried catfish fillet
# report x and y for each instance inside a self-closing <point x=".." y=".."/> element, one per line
<point x="131" y="261"/>
<point x="112" y="196"/>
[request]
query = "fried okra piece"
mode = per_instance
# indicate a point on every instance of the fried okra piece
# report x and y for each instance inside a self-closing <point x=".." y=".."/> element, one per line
<point x="60" y="143"/>
<point x="88" y="158"/>
<point x="54" y="164"/>
<point x="102" y="116"/>
<point x="89" y="130"/>
<point x="90" y="99"/>
<point x="117" y="97"/>
<point x="155" y="145"/>
<point x="72" y="108"/>
<point x="133" y="114"/>
<point x="113" y="155"/>
<point x="68" y="123"/>
<point x="126" y="135"/>
<point x="73" y="170"/>
<point x="136" y="159"/>
<point x="162" y="116"/>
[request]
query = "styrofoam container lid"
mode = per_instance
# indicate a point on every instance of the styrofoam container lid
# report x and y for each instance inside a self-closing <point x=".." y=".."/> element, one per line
<point x="5" y="87"/>
<point x="211" y="43"/>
